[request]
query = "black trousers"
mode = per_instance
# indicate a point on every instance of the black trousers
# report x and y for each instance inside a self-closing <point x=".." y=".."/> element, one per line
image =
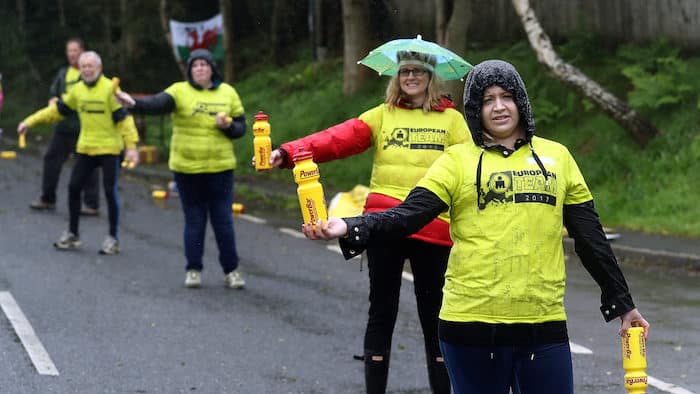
<point x="60" y="148"/>
<point x="84" y="166"/>
<point x="428" y="265"/>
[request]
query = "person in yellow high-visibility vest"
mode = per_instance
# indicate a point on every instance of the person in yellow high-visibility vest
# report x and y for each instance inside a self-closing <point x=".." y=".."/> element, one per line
<point x="106" y="128"/>
<point x="207" y="115"/>
<point x="502" y="321"/>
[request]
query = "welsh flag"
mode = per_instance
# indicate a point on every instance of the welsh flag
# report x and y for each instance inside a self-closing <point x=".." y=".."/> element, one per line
<point x="188" y="36"/>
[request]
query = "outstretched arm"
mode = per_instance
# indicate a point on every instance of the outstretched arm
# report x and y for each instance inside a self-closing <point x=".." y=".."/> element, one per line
<point x="357" y="233"/>
<point x="52" y="113"/>
<point x="336" y="142"/>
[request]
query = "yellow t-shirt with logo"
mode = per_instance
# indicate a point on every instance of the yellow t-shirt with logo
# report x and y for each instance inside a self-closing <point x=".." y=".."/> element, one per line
<point x="507" y="262"/>
<point x="407" y="142"/>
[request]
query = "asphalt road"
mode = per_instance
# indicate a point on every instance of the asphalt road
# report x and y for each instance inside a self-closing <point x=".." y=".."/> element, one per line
<point x="126" y="323"/>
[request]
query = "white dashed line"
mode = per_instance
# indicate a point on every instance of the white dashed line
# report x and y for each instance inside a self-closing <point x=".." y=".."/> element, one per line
<point x="251" y="218"/>
<point x="575" y="348"/>
<point x="668" y="387"/>
<point x="37" y="353"/>
<point x="292" y="232"/>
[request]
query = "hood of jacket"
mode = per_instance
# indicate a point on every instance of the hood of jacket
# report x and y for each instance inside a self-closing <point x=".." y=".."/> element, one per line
<point x="485" y="75"/>
<point x="206" y="55"/>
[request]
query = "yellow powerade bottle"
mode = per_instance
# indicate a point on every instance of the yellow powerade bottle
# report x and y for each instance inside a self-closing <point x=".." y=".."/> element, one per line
<point x="634" y="360"/>
<point x="262" y="144"/>
<point x="310" y="190"/>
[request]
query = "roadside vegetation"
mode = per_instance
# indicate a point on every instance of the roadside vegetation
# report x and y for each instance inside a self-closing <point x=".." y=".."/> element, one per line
<point x="652" y="189"/>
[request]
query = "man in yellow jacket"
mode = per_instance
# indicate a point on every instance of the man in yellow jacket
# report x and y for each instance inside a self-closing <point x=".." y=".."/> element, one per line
<point x="106" y="129"/>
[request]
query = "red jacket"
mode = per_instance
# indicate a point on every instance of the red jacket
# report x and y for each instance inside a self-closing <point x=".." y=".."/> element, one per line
<point x="353" y="137"/>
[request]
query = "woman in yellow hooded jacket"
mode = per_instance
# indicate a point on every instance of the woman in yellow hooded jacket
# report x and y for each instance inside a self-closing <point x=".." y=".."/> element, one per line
<point x="502" y="322"/>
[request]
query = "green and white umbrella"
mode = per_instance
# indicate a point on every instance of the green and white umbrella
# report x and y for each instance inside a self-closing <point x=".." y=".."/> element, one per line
<point x="383" y="59"/>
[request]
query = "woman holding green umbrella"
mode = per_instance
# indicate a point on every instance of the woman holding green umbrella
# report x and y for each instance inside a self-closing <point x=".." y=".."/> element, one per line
<point x="409" y="130"/>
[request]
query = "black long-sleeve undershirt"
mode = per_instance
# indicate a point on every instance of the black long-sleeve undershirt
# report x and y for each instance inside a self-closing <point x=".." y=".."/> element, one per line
<point x="581" y="220"/>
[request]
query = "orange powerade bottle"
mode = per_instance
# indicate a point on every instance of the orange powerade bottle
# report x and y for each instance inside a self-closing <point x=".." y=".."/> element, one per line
<point x="634" y="360"/>
<point x="262" y="144"/>
<point x="310" y="190"/>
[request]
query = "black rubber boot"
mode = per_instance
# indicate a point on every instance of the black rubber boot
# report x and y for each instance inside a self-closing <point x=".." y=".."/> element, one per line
<point x="376" y="371"/>
<point x="438" y="377"/>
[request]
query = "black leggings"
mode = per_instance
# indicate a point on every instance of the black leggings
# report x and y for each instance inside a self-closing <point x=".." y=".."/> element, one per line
<point x="83" y="168"/>
<point x="428" y="264"/>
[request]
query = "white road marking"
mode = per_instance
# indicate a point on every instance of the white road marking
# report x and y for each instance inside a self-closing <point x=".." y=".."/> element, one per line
<point x="575" y="348"/>
<point x="251" y="218"/>
<point x="292" y="232"/>
<point x="37" y="353"/>
<point x="668" y="387"/>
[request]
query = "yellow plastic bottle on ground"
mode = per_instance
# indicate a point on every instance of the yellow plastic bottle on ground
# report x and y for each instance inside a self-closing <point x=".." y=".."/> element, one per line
<point x="262" y="144"/>
<point x="310" y="190"/>
<point x="237" y="208"/>
<point x="634" y="360"/>
<point x="8" y="154"/>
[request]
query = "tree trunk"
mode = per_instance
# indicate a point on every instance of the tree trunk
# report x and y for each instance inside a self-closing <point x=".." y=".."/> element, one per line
<point x="226" y="12"/>
<point x="127" y="38"/>
<point x="61" y="13"/>
<point x="22" y="19"/>
<point x="107" y="51"/>
<point x="317" y="17"/>
<point x="442" y="18"/>
<point x="164" y="19"/>
<point x="455" y="39"/>
<point x="356" y="44"/>
<point x="637" y="127"/>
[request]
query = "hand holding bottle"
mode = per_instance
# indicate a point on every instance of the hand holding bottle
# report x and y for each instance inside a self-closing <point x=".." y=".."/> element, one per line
<point x="330" y="229"/>
<point x="276" y="158"/>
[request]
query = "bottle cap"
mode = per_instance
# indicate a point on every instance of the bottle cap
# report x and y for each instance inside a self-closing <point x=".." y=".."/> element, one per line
<point x="260" y="116"/>
<point x="302" y="155"/>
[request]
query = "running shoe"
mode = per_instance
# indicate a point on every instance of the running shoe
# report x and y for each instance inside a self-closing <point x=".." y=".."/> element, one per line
<point x="234" y="280"/>
<point x="110" y="245"/>
<point x="193" y="278"/>
<point x="67" y="241"/>
<point x="41" y="205"/>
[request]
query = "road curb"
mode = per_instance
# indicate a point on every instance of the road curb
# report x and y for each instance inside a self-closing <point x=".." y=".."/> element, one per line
<point x="638" y="255"/>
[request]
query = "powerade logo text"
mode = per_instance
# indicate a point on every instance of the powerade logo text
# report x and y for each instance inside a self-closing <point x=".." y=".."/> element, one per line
<point x="635" y="380"/>
<point x="263" y="156"/>
<point x="416" y="138"/>
<point x="526" y="186"/>
<point x="311" y="209"/>
<point x="303" y="174"/>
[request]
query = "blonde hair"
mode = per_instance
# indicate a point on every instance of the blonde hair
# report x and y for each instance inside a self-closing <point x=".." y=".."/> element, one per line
<point x="394" y="95"/>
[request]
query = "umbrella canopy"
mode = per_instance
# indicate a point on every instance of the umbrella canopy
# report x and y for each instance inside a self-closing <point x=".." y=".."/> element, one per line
<point x="384" y="60"/>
